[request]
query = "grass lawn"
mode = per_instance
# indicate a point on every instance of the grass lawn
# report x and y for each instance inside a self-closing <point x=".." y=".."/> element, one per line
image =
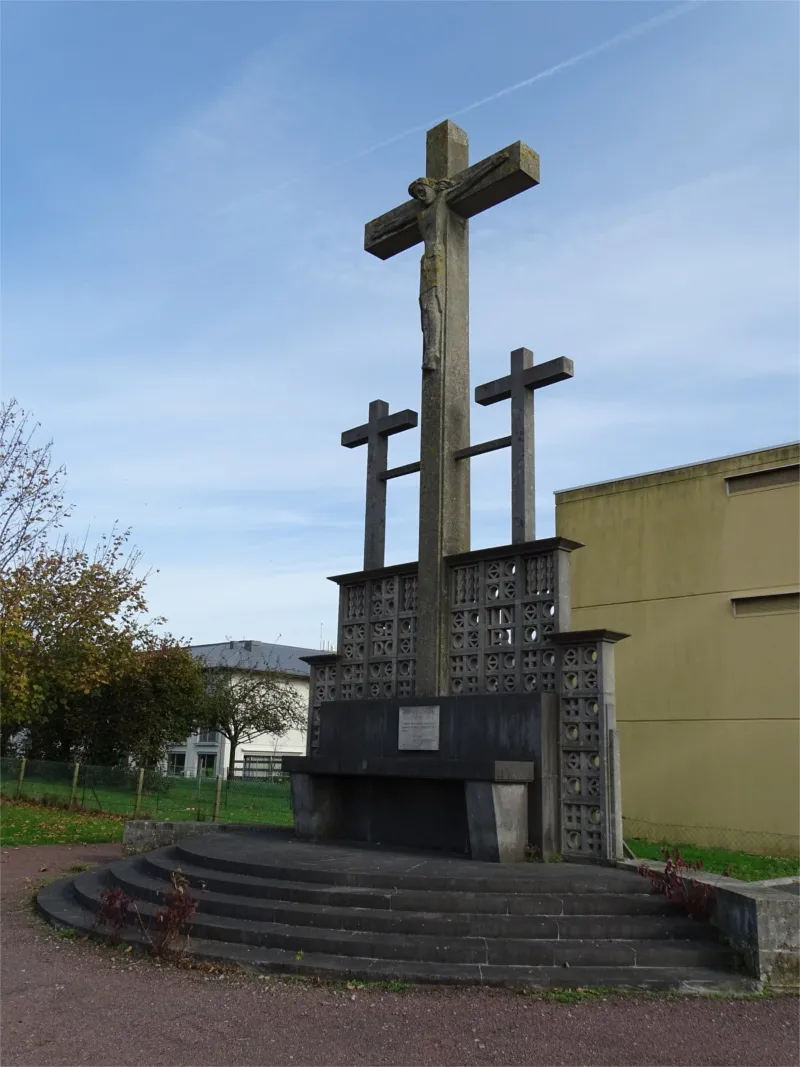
<point x="29" y="824"/>
<point x="742" y="865"/>
<point x="251" y="802"/>
<point x="177" y="798"/>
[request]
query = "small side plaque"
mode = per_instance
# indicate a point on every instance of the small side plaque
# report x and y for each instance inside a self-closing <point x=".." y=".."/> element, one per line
<point x="418" y="730"/>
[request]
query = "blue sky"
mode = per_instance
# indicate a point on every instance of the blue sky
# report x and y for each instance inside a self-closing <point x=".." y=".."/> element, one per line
<point x="189" y="312"/>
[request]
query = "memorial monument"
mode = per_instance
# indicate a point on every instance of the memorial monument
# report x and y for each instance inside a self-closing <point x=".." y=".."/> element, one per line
<point x="460" y="713"/>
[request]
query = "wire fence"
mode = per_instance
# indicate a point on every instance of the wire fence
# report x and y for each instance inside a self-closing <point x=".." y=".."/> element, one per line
<point x="266" y="798"/>
<point x="148" y="794"/>
<point x="754" y="842"/>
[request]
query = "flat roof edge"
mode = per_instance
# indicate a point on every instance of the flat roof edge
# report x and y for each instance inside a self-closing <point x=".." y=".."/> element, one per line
<point x="792" y="448"/>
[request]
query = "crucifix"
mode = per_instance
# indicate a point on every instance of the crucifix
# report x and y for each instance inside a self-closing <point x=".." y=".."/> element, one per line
<point x="375" y="435"/>
<point x="518" y="386"/>
<point x="437" y="215"/>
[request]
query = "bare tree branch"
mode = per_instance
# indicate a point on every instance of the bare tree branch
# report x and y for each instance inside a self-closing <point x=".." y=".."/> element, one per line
<point x="31" y="492"/>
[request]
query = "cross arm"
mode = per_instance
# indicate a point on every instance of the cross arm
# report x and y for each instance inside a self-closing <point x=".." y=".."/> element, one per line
<point x="396" y="423"/>
<point x="399" y="472"/>
<point x="481" y="449"/>
<point x="359" y="435"/>
<point x="494" y="179"/>
<point x="481" y="186"/>
<point x="554" y="370"/>
<point x="393" y="232"/>
<point x="386" y="426"/>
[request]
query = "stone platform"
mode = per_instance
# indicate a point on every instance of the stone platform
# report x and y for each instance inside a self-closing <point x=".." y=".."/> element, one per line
<point x="272" y="903"/>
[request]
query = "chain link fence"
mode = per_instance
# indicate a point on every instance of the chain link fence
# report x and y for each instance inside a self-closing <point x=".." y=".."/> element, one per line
<point x="753" y="842"/>
<point x="148" y="794"/>
<point x="265" y="797"/>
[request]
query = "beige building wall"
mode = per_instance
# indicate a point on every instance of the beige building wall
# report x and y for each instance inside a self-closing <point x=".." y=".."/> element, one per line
<point x="701" y="566"/>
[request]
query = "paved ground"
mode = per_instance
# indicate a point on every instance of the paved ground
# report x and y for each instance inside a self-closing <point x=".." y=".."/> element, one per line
<point x="76" y="1003"/>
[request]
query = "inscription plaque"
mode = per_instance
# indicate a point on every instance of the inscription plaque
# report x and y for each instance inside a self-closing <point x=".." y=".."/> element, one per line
<point x="418" y="729"/>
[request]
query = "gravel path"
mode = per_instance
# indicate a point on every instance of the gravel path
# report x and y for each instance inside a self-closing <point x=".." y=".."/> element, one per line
<point x="76" y="1003"/>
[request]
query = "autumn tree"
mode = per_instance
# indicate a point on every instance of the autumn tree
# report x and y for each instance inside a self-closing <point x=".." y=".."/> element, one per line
<point x="73" y="624"/>
<point x="82" y="668"/>
<point x="242" y="702"/>
<point x="157" y="701"/>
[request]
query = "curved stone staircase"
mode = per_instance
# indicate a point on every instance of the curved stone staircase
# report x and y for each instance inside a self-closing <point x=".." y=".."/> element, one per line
<point x="272" y="903"/>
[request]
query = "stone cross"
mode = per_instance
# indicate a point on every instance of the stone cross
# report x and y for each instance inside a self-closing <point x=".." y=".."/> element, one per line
<point x="375" y="434"/>
<point x="518" y="386"/>
<point x="437" y="214"/>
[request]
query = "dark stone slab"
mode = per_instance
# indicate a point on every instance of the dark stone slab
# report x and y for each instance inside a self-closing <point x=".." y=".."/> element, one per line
<point x="481" y="727"/>
<point x="436" y="800"/>
<point x="374" y="572"/>
<point x="337" y="865"/>
<point x="544" y="544"/>
<point x="414" y="767"/>
<point x="320" y="659"/>
<point x="569" y="637"/>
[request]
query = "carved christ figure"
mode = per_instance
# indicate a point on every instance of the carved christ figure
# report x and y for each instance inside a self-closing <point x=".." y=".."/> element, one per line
<point x="432" y="194"/>
<point x="432" y="273"/>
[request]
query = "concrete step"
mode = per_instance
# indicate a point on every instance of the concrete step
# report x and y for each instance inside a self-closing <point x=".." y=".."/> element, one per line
<point x="504" y="951"/>
<point x="58" y="903"/>
<point x="337" y="866"/>
<point x="138" y="881"/>
<point x="163" y="861"/>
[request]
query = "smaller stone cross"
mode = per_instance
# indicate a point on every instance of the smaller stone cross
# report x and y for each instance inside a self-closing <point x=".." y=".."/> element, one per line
<point x="375" y="434"/>
<point x="518" y="386"/>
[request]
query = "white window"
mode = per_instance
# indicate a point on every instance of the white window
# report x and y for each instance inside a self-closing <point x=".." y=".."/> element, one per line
<point x="207" y="764"/>
<point x="176" y="764"/>
<point x="261" y="765"/>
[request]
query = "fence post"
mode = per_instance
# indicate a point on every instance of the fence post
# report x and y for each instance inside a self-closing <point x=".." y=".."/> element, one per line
<point x="22" y="764"/>
<point x="139" y="785"/>
<point x="217" y="799"/>
<point x="74" y="784"/>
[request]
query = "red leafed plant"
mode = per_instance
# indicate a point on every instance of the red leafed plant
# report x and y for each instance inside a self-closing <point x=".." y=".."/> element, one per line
<point x="696" y="898"/>
<point x="114" y="910"/>
<point x="177" y="913"/>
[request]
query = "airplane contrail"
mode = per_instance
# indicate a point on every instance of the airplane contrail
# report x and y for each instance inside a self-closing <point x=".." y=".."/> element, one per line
<point x="589" y="53"/>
